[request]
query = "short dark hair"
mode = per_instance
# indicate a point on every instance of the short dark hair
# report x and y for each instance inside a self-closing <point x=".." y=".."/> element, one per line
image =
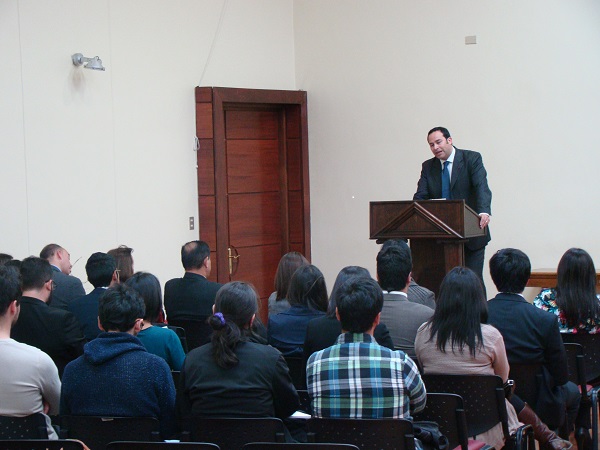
<point x="442" y="130"/>
<point x="148" y="286"/>
<point x="359" y="300"/>
<point x="100" y="268"/>
<point x="345" y="274"/>
<point x="193" y="254"/>
<point x="308" y="288"/>
<point x="510" y="270"/>
<point x="49" y="250"/>
<point x="394" y="264"/>
<point x="285" y="269"/>
<point x="35" y="272"/>
<point x="122" y="255"/>
<point x="10" y="287"/>
<point x="119" y="307"/>
<point x="4" y="258"/>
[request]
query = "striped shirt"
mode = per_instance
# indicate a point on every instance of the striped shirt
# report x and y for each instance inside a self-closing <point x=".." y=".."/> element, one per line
<point x="358" y="379"/>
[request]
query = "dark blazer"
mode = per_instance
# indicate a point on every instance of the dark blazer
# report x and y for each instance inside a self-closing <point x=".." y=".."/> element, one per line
<point x="190" y="297"/>
<point x="286" y="331"/>
<point x="85" y="310"/>
<point x="323" y="332"/>
<point x="468" y="182"/>
<point x="67" y="289"/>
<point x="530" y="334"/>
<point x="54" y="331"/>
<point x="420" y="294"/>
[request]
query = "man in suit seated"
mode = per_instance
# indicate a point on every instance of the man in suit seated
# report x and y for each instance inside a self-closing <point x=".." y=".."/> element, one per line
<point x="356" y="377"/>
<point x="29" y="378"/>
<point x="401" y="316"/>
<point x="193" y="296"/>
<point x="52" y="330"/>
<point x="102" y="272"/>
<point x="67" y="287"/>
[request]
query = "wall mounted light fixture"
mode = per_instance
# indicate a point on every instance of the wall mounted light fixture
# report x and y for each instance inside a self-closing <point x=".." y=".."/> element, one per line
<point x="94" y="63"/>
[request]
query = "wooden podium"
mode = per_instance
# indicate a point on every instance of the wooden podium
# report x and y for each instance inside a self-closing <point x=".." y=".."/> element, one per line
<point x="437" y="229"/>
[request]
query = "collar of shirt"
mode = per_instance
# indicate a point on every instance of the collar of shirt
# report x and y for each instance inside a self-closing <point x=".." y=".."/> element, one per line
<point x="450" y="160"/>
<point x="396" y="292"/>
<point x="513" y="293"/>
<point x="348" y="338"/>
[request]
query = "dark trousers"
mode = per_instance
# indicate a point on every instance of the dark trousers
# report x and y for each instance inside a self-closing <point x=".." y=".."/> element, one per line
<point x="474" y="260"/>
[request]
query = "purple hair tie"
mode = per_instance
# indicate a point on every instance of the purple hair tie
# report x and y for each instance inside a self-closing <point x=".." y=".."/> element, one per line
<point x="221" y="318"/>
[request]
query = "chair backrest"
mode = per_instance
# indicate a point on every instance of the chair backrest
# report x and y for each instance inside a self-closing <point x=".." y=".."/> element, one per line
<point x="297" y="367"/>
<point x="591" y="349"/>
<point x="140" y="445"/>
<point x="448" y="411"/>
<point x="290" y="446"/>
<point x="197" y="332"/>
<point x="483" y="397"/>
<point x="367" y="434"/>
<point x="40" y="444"/>
<point x="28" y="427"/>
<point x="527" y="378"/>
<point x="97" y="432"/>
<point x="233" y="433"/>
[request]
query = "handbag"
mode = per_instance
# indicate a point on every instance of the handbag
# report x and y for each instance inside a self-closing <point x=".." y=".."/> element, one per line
<point x="429" y="435"/>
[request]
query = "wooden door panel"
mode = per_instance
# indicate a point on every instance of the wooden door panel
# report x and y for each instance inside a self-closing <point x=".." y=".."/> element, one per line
<point x="252" y="166"/>
<point x="295" y="217"/>
<point x="257" y="265"/>
<point x="254" y="219"/>
<point x="294" y="165"/>
<point x="251" y="124"/>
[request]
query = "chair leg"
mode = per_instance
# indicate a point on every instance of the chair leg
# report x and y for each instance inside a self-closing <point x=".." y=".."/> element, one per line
<point x="594" y="397"/>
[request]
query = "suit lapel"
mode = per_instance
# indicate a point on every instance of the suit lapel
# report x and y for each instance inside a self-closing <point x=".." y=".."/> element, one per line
<point x="435" y="175"/>
<point x="457" y="168"/>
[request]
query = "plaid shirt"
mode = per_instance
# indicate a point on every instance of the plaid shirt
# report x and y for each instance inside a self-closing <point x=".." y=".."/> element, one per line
<point x="357" y="378"/>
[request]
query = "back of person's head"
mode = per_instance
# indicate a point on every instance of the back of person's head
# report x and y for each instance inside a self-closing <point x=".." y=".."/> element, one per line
<point x="442" y="130"/>
<point x="122" y="255"/>
<point x="35" y="272"/>
<point x="359" y="301"/>
<point x="148" y="286"/>
<point x="4" y="258"/>
<point x="510" y="270"/>
<point x="308" y="288"/>
<point x="49" y="251"/>
<point x="461" y="309"/>
<point x="100" y="268"/>
<point x="10" y="287"/>
<point x="193" y="254"/>
<point x="119" y="308"/>
<point x="285" y="269"/>
<point x="394" y="264"/>
<point x="236" y="304"/>
<point x="345" y="274"/>
<point x="16" y="263"/>
<point x="576" y="287"/>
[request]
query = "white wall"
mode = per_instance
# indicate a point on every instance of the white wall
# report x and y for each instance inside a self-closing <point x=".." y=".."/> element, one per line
<point x="91" y="160"/>
<point x="380" y="74"/>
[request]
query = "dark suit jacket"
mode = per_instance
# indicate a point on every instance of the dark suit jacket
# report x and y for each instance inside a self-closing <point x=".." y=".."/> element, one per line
<point x="420" y="294"/>
<point x="468" y="182"/>
<point x="67" y="289"/>
<point x="54" y="331"/>
<point x="85" y="310"/>
<point x="530" y="334"/>
<point x="323" y="332"/>
<point x="190" y="297"/>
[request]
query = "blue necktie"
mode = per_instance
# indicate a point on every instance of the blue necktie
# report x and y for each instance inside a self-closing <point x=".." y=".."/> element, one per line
<point x="446" y="181"/>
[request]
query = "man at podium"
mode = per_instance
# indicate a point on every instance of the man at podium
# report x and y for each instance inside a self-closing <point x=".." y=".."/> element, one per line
<point x="455" y="174"/>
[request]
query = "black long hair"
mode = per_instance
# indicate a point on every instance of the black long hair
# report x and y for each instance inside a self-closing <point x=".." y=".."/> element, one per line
<point x="461" y="309"/>
<point x="235" y="305"/>
<point x="308" y="288"/>
<point x="148" y="286"/>
<point x="576" y="288"/>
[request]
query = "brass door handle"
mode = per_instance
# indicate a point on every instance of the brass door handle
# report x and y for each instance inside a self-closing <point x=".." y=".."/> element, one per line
<point x="231" y="257"/>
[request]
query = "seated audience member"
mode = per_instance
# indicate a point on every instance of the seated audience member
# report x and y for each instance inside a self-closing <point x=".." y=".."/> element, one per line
<point x="4" y="258"/>
<point x="402" y="317"/>
<point x="193" y="296"/>
<point x="233" y="376"/>
<point x="157" y="340"/>
<point x="308" y="299"/>
<point x="574" y="299"/>
<point x="67" y="287"/>
<point x="531" y="336"/>
<point x="122" y="255"/>
<point x="457" y="341"/>
<point x="116" y="376"/>
<point x="416" y="293"/>
<point x="102" y="273"/>
<point x="323" y="332"/>
<point x="52" y="330"/>
<point x="285" y="269"/>
<point x="356" y="377"/>
<point x="29" y="378"/>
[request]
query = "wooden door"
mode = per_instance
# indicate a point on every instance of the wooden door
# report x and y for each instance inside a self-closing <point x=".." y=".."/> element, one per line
<point x="252" y="182"/>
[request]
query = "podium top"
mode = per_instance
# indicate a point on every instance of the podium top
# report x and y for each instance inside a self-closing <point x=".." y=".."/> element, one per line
<point x="423" y="219"/>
